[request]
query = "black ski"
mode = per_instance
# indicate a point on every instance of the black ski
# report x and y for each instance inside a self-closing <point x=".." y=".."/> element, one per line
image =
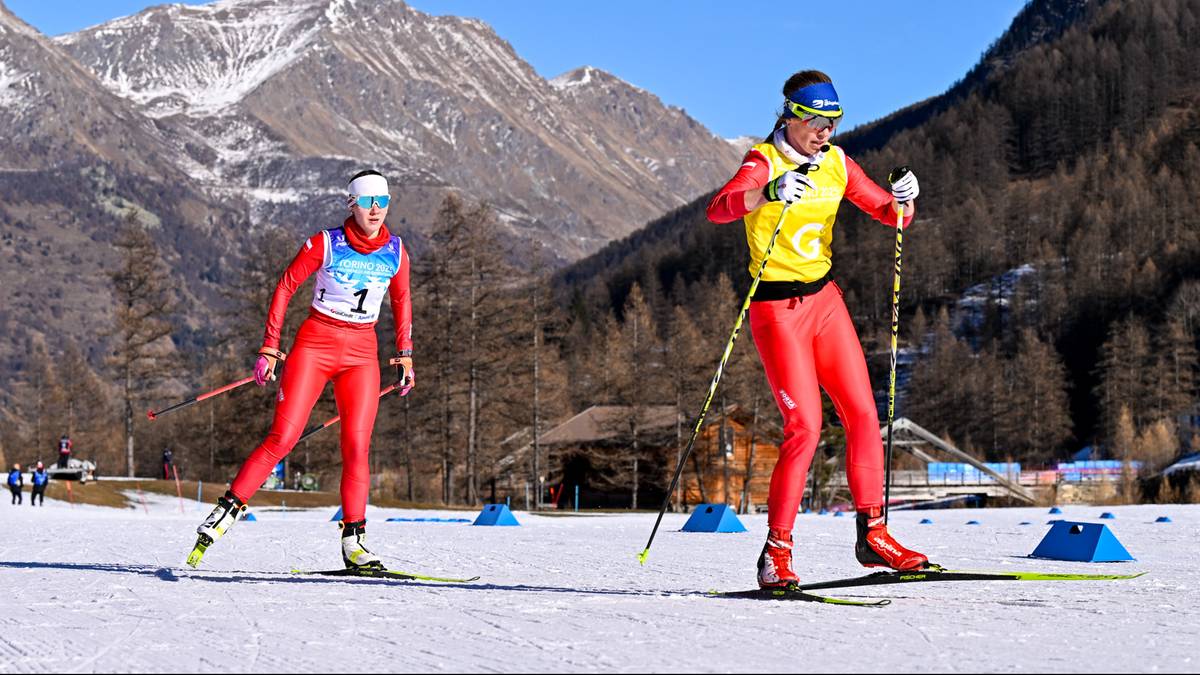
<point x="370" y="573"/>
<point x="941" y="574"/>
<point x="797" y="594"/>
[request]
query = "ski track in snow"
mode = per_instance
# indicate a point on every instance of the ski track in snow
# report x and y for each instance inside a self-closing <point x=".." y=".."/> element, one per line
<point x="96" y="589"/>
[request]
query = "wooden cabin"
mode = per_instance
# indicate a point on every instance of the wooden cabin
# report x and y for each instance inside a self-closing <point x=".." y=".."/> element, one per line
<point x="592" y="449"/>
<point x="717" y="472"/>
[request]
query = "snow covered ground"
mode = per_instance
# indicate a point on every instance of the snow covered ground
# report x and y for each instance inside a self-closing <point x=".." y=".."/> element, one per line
<point x="94" y="589"/>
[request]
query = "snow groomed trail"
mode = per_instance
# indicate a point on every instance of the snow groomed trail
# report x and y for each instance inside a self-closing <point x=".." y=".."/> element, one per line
<point x="89" y="589"/>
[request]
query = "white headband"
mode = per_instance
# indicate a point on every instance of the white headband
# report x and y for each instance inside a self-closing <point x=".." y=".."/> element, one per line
<point x="372" y="185"/>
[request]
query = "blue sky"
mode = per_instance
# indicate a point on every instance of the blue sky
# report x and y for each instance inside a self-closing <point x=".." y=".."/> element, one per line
<point x="724" y="67"/>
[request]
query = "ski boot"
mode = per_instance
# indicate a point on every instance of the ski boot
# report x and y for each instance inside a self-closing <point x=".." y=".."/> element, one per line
<point x="877" y="548"/>
<point x="354" y="547"/>
<point x="228" y="511"/>
<point x="775" y="561"/>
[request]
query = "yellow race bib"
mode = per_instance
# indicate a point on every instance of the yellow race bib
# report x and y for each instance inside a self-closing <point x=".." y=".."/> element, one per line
<point x="802" y="252"/>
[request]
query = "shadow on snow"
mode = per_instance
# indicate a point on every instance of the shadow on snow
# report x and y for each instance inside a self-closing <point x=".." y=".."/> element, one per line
<point x="238" y="576"/>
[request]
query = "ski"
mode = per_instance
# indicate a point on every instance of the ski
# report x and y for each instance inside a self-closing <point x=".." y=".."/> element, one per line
<point x="797" y="594"/>
<point x="941" y="574"/>
<point x="370" y="573"/>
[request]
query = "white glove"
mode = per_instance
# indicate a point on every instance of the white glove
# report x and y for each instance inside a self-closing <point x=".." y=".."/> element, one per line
<point x="789" y="187"/>
<point x="906" y="189"/>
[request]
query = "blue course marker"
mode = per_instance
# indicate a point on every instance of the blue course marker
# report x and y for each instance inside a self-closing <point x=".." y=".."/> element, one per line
<point x="496" y="515"/>
<point x="713" y="518"/>
<point x="1081" y="542"/>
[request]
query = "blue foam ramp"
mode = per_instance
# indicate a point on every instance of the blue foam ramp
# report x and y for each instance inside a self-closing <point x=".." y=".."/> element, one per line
<point x="250" y="517"/>
<point x="496" y="515"/>
<point x="337" y="516"/>
<point x="972" y="522"/>
<point x="925" y="521"/>
<point x="1081" y="542"/>
<point x="1163" y="519"/>
<point x="713" y="518"/>
<point x="839" y="514"/>
<point x="1107" y="516"/>
<point x="1055" y="510"/>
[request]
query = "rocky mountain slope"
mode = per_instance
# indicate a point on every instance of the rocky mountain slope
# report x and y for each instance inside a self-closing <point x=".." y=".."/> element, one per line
<point x="284" y="97"/>
<point x="206" y="122"/>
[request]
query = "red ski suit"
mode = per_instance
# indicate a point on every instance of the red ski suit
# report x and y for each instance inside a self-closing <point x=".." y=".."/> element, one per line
<point x="328" y="348"/>
<point x="809" y="343"/>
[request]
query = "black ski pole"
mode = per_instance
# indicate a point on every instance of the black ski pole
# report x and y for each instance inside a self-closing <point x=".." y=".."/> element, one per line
<point x="896" y="174"/>
<point x="155" y="414"/>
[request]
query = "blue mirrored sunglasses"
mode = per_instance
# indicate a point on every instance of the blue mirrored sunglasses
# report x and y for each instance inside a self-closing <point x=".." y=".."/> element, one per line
<point x="365" y="201"/>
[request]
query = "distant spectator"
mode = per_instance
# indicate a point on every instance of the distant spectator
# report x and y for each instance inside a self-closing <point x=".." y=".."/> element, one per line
<point x="168" y="462"/>
<point x="40" y="480"/>
<point x="15" y="482"/>
<point x="64" y="451"/>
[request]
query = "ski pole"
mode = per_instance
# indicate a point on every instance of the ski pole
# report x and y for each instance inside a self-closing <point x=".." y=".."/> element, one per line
<point x="155" y="414"/>
<point x="712" y="387"/>
<point x="337" y="418"/>
<point x="894" y="176"/>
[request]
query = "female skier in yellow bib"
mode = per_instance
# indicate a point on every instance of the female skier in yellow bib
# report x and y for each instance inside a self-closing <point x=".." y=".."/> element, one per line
<point x="801" y="327"/>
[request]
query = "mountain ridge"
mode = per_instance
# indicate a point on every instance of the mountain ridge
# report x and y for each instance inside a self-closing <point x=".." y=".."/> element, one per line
<point x="462" y="102"/>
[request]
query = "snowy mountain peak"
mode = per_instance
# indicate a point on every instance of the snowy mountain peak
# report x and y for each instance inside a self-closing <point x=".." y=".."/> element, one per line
<point x="279" y="95"/>
<point x="590" y="77"/>
<point x="201" y="60"/>
<point x="574" y="78"/>
<point x="743" y="143"/>
<point x="198" y="60"/>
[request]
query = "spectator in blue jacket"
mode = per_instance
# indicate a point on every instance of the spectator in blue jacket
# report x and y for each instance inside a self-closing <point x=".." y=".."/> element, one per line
<point x="15" y="482"/>
<point x="40" y="480"/>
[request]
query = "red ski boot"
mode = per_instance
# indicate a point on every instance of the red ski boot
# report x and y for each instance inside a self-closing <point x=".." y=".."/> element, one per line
<point x="877" y="548"/>
<point x="775" y="562"/>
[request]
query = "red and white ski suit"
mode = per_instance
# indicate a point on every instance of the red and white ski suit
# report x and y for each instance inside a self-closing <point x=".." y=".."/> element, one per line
<point x="809" y="343"/>
<point x="336" y="342"/>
